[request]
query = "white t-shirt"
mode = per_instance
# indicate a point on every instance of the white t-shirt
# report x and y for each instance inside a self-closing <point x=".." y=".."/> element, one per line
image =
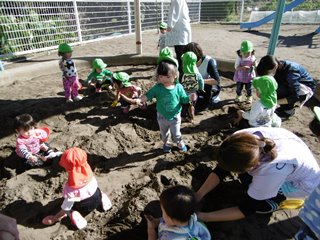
<point x="260" y="116"/>
<point x="294" y="165"/>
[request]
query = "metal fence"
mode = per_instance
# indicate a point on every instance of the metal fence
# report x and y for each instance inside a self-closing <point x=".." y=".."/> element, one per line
<point x="36" y="25"/>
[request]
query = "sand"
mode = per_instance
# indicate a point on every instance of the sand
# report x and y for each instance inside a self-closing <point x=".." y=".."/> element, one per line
<point x="125" y="150"/>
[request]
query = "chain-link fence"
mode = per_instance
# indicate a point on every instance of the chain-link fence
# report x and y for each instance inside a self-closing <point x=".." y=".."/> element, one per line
<point x="36" y="25"/>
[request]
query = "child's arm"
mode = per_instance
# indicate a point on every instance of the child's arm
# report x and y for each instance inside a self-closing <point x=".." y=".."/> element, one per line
<point x="227" y="214"/>
<point x="152" y="224"/>
<point x="200" y="82"/>
<point x="139" y="101"/>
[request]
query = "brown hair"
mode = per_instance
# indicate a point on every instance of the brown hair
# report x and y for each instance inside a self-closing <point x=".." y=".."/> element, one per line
<point x="242" y="151"/>
<point x="195" y="48"/>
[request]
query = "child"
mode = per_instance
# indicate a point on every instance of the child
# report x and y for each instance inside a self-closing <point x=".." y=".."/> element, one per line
<point x="192" y="81"/>
<point x="99" y="75"/>
<point x="81" y="192"/>
<point x="310" y="214"/>
<point x="30" y="143"/>
<point x="274" y="165"/>
<point x="262" y="111"/>
<point x="126" y="92"/>
<point x="179" y="220"/>
<point x="162" y="36"/>
<point x="244" y="65"/>
<point x="69" y="73"/>
<point x="170" y="95"/>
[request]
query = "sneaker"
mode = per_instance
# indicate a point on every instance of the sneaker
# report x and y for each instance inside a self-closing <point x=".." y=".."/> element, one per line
<point x="237" y="99"/>
<point x="106" y="203"/>
<point x="166" y="148"/>
<point x="183" y="148"/>
<point x="54" y="154"/>
<point x="77" y="98"/>
<point x="69" y="100"/>
<point x="268" y="206"/>
<point x="79" y="221"/>
<point x="249" y="99"/>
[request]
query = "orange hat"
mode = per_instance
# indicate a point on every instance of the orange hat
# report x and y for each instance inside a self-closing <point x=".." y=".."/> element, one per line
<point x="74" y="160"/>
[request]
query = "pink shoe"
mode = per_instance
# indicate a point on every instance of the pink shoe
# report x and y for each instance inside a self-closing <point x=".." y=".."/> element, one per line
<point x="79" y="221"/>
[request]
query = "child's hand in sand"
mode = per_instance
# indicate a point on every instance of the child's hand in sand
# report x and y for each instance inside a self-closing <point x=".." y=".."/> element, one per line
<point x="237" y="120"/>
<point x="33" y="158"/>
<point x="152" y="221"/>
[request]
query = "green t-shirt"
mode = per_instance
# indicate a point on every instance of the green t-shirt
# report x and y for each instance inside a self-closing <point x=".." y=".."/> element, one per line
<point x="104" y="76"/>
<point x="267" y="87"/>
<point x="168" y="100"/>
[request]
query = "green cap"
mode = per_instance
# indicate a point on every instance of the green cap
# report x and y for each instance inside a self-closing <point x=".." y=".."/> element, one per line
<point x="122" y="77"/>
<point x="98" y="64"/>
<point x="64" y="48"/>
<point x="189" y="60"/>
<point x="163" y="25"/>
<point x="167" y="54"/>
<point x="267" y="88"/>
<point x="246" y="46"/>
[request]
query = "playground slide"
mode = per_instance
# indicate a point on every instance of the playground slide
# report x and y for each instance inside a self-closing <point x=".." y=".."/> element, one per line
<point x="270" y="17"/>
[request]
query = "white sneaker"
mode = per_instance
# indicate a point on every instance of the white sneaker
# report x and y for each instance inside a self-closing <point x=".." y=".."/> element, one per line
<point x="54" y="154"/>
<point x="69" y="100"/>
<point x="106" y="203"/>
<point x="79" y="221"/>
<point x="77" y="98"/>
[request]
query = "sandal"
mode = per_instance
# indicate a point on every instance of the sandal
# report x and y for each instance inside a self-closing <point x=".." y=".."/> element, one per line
<point x="49" y="220"/>
<point x="291" y="204"/>
<point x="79" y="221"/>
<point x="106" y="203"/>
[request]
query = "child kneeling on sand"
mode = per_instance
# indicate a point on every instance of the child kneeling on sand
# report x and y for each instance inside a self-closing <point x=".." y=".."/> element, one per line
<point x="262" y="113"/>
<point x="99" y="76"/>
<point x="31" y="142"/>
<point x="126" y="91"/>
<point x="81" y="192"/>
<point x="179" y="221"/>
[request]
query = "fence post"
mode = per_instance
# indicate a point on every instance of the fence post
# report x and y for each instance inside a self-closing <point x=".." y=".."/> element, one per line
<point x="76" y="14"/>
<point x="162" y="11"/>
<point x="137" y="26"/>
<point x="242" y="9"/>
<point x="199" y="18"/>
<point x="129" y="16"/>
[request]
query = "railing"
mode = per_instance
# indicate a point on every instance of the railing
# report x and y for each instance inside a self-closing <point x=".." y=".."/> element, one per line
<point x="37" y="25"/>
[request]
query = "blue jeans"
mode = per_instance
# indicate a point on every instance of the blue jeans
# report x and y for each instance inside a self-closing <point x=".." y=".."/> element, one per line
<point x="248" y="87"/>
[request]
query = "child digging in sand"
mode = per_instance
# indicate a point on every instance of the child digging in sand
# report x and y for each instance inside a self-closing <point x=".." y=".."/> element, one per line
<point x="31" y="142"/>
<point x="262" y="111"/>
<point x="99" y="76"/>
<point x="179" y="221"/>
<point x="81" y="192"/>
<point x="126" y="91"/>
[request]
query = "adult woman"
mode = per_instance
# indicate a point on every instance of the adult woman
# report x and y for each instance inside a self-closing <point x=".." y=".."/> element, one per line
<point x="268" y="159"/>
<point x="178" y="28"/>
<point x="209" y="71"/>
<point x="294" y="85"/>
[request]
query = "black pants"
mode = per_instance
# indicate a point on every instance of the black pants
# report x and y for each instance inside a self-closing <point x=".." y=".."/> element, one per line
<point x="179" y="51"/>
<point x="87" y="205"/>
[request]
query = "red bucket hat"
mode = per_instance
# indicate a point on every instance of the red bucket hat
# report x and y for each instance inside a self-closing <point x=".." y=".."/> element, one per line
<point x="74" y="160"/>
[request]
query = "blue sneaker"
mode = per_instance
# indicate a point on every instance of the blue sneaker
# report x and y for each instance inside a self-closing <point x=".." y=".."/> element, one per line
<point x="166" y="148"/>
<point x="183" y="148"/>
